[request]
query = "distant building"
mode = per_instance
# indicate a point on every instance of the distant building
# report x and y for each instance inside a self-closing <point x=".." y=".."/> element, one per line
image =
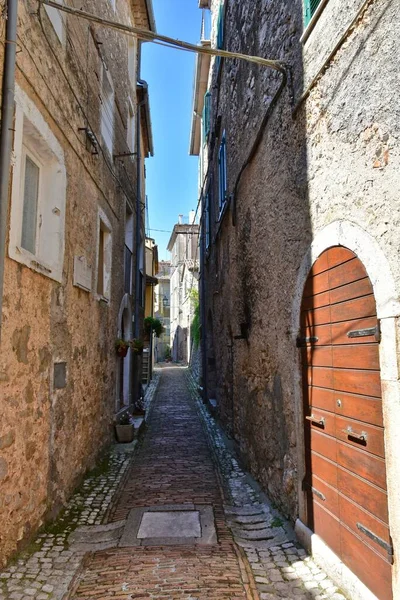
<point x="162" y="308"/>
<point x="183" y="246"/>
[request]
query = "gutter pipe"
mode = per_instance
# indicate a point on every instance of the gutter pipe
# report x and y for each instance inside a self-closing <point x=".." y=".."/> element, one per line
<point x="6" y="134"/>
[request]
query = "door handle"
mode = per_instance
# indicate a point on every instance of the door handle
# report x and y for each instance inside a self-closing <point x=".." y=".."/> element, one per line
<point x="319" y="420"/>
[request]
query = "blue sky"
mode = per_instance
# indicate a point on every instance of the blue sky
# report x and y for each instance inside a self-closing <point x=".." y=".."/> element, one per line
<point x="171" y="174"/>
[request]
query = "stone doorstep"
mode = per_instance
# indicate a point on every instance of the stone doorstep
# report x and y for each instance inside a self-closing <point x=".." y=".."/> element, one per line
<point x="204" y="514"/>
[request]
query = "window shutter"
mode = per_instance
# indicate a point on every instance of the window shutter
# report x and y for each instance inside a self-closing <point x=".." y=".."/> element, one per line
<point x="206" y="115"/>
<point x="310" y="8"/>
<point x="30" y="207"/>
<point x="220" y="28"/>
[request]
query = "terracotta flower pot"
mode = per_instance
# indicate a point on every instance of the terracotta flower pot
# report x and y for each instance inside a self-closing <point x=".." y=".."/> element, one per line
<point x="124" y="433"/>
<point x="122" y="352"/>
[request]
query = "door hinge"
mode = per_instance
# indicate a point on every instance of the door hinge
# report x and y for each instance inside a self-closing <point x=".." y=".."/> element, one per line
<point x="301" y="342"/>
<point x="372" y="536"/>
<point x="370" y="331"/>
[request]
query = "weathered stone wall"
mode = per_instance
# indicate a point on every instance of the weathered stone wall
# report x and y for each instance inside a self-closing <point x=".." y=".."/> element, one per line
<point x="335" y="157"/>
<point x="49" y="437"/>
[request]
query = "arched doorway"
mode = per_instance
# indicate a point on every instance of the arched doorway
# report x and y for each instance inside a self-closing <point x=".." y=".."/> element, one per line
<point x="345" y="478"/>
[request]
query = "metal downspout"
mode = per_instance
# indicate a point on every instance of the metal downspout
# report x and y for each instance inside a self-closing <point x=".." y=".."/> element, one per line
<point x="6" y="134"/>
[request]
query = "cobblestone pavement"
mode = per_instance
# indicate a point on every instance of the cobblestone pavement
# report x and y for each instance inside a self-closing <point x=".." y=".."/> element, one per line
<point x="182" y="460"/>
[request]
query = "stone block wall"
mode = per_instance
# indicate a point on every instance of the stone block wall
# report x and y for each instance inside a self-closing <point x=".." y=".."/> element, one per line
<point x="328" y="157"/>
<point x="57" y="359"/>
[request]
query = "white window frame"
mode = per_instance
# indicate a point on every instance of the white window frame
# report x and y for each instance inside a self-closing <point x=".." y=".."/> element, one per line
<point x="107" y="111"/>
<point x="104" y="223"/>
<point x="34" y="138"/>
<point x="57" y="21"/>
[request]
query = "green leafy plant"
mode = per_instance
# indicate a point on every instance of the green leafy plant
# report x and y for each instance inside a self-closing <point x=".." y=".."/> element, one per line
<point x="195" y="326"/>
<point x="137" y="345"/>
<point x="122" y="347"/>
<point x="153" y="324"/>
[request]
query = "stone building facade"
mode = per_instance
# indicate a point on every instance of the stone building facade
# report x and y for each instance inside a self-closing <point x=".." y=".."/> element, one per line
<point x="70" y="256"/>
<point x="290" y="167"/>
<point x="183" y="245"/>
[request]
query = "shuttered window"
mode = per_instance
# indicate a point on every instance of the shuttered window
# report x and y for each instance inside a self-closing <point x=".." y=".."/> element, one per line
<point x="310" y="9"/>
<point x="222" y="174"/>
<point x="206" y="115"/>
<point x="30" y="205"/>
<point x="220" y="33"/>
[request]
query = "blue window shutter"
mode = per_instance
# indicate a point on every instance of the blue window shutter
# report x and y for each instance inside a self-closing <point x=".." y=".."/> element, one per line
<point x="220" y="28"/>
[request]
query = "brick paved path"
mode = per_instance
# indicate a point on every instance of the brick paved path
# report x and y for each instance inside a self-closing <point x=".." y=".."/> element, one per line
<point x="172" y="466"/>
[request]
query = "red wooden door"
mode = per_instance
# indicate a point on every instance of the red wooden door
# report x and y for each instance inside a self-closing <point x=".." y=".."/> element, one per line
<point x="344" y="436"/>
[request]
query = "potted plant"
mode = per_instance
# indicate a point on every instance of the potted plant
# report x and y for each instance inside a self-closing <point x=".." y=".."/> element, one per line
<point x="124" y="428"/>
<point x="122" y="347"/>
<point x="137" y="345"/>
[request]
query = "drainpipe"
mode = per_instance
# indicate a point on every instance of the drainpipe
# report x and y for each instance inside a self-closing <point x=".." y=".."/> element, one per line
<point x="7" y="116"/>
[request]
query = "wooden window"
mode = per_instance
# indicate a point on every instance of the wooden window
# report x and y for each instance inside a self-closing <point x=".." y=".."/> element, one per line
<point x="222" y="173"/>
<point x="107" y="110"/>
<point x="206" y="115"/>
<point x="310" y="8"/>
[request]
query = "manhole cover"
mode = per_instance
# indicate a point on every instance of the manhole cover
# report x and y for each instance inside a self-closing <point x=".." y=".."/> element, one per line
<point x="170" y="525"/>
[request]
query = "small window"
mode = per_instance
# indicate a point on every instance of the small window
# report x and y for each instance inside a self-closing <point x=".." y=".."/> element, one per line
<point x="310" y="8"/>
<point x="107" y="110"/>
<point x="57" y="20"/>
<point x="206" y="116"/>
<point x="222" y="174"/>
<point x="104" y="258"/>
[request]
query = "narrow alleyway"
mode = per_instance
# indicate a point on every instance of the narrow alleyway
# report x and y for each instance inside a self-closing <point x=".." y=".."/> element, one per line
<point x="185" y="523"/>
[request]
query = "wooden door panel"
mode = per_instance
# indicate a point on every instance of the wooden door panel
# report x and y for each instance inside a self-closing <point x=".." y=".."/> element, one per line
<point x="317" y="284"/>
<point x="318" y="356"/>
<point x="369" y="566"/>
<point x="330" y="496"/>
<point x="319" y="316"/>
<point x="321" y="398"/>
<point x="316" y="301"/>
<point x="352" y="309"/>
<point x="357" y="289"/>
<point x="324" y="469"/>
<point x="338" y="255"/>
<point x="370" y="467"/>
<point x="351" y="514"/>
<point x="368" y="496"/>
<point x="324" y="445"/>
<point x="327" y="526"/>
<point x="347" y="272"/>
<point x="374" y="442"/>
<point x="320" y="376"/>
<point x="365" y="383"/>
<point x="359" y="357"/>
<point x="321" y="332"/>
<point x="340" y="331"/>
<point x="364" y="408"/>
<point x="344" y="440"/>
